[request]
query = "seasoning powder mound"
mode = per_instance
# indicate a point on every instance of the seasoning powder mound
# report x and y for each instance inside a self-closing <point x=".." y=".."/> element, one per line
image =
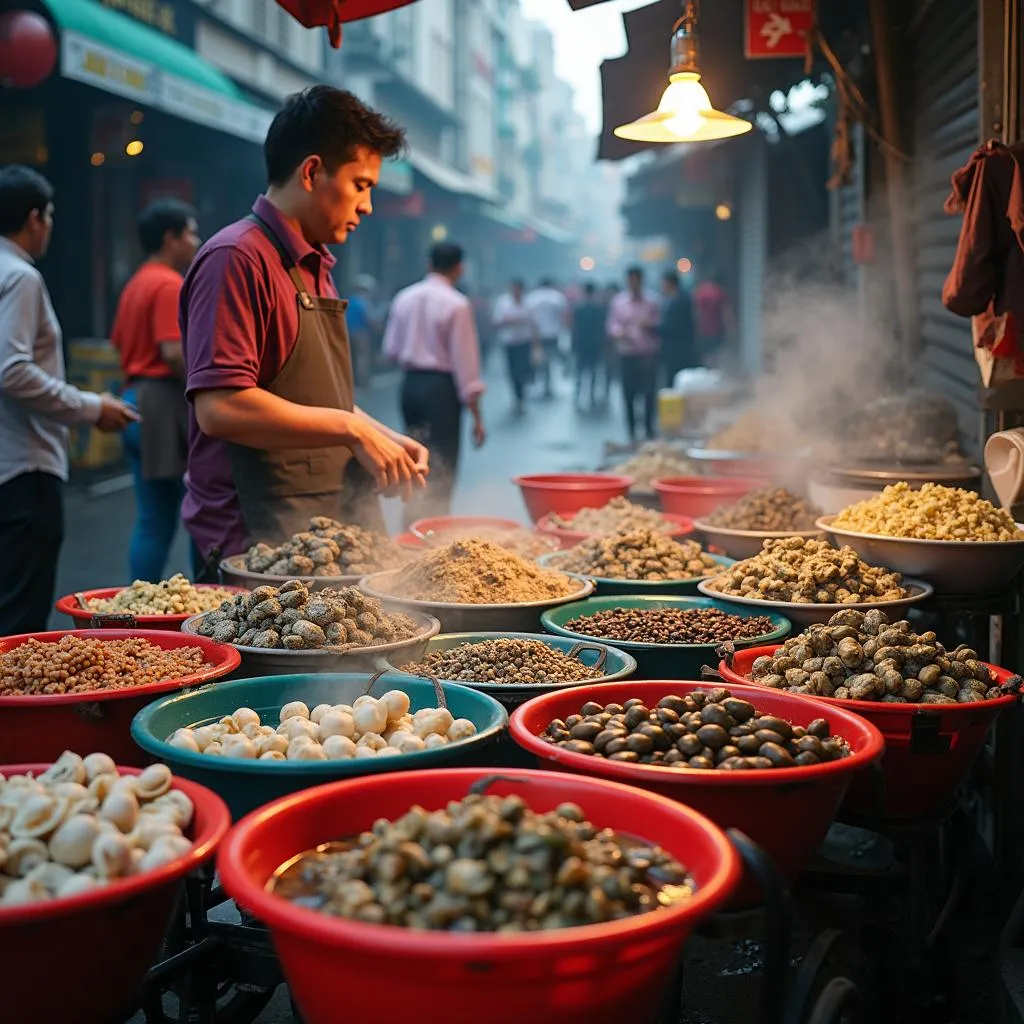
<point x="474" y="571"/>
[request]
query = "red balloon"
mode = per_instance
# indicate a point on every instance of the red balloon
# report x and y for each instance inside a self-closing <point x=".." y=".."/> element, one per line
<point x="28" y="49"/>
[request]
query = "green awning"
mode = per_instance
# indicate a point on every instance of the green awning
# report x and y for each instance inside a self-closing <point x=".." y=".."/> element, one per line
<point x="108" y="50"/>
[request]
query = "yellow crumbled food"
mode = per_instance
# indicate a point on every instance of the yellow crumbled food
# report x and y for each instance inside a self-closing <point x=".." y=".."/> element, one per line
<point x="176" y="596"/>
<point x="932" y="513"/>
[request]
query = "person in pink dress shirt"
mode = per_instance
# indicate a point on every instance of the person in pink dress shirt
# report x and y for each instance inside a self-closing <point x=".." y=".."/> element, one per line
<point x="431" y="334"/>
<point x="633" y="320"/>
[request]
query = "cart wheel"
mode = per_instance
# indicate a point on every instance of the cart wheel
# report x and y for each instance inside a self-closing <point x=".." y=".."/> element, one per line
<point x="225" y="1003"/>
<point x="839" y="1003"/>
<point x="831" y="955"/>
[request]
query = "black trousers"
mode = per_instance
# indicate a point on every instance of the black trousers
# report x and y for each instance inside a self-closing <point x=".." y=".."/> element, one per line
<point x="520" y="367"/>
<point x="640" y="381"/>
<point x="433" y="416"/>
<point x="31" y="533"/>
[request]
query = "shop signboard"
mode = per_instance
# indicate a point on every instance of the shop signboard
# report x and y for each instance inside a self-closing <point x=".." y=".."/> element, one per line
<point x="104" y="67"/>
<point x="777" y="28"/>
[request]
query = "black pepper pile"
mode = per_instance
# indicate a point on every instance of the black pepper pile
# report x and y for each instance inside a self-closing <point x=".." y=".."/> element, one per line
<point x="508" y="660"/>
<point x="706" y="729"/>
<point x="671" y="625"/>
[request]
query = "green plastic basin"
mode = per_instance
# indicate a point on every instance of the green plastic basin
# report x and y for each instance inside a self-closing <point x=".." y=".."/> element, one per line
<point x="604" y="587"/>
<point x="664" y="661"/>
<point x="246" y="785"/>
<point x="618" y="664"/>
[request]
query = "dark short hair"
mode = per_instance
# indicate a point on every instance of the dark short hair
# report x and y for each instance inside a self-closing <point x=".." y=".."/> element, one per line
<point x="635" y="271"/>
<point x="547" y="282"/>
<point x="161" y="216"/>
<point x="446" y="256"/>
<point x="589" y="288"/>
<point x="329" y="123"/>
<point x="22" y="190"/>
<point x="671" y="277"/>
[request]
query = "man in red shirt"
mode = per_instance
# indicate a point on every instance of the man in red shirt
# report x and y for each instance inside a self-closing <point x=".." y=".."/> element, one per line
<point x="713" y="319"/>
<point x="147" y="335"/>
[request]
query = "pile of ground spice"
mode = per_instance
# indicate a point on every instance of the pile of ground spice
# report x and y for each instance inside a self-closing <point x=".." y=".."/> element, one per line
<point x="474" y="571"/>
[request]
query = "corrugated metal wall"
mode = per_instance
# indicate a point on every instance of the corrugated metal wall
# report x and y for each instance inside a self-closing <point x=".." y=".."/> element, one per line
<point x="945" y="78"/>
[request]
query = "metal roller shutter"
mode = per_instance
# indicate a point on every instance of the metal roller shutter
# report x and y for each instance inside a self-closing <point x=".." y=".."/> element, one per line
<point x="946" y="101"/>
<point x="848" y="210"/>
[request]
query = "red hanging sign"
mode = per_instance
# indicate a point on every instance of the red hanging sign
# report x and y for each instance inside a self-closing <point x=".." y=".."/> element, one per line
<point x="332" y="13"/>
<point x="778" y="28"/>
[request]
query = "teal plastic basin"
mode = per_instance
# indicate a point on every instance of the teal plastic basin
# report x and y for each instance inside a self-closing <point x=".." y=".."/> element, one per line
<point x="664" y="661"/>
<point x="605" y="587"/>
<point x="246" y="785"/>
<point x="617" y="665"/>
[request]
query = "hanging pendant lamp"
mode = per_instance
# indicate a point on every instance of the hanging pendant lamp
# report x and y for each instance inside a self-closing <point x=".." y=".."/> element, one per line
<point x="685" y="113"/>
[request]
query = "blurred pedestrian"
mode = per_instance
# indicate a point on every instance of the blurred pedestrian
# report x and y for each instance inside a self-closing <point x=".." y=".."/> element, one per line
<point x="147" y="337"/>
<point x="431" y="334"/>
<point x="676" y="329"/>
<point x="37" y="406"/>
<point x="362" y="326"/>
<point x="633" y="321"/>
<point x="517" y="334"/>
<point x="588" y="343"/>
<point x="713" y="318"/>
<point x="551" y="314"/>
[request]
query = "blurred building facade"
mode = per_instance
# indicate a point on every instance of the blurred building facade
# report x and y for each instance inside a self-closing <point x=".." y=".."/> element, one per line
<point x="173" y="97"/>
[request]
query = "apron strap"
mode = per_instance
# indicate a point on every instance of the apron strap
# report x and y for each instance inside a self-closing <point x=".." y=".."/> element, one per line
<point x="289" y="264"/>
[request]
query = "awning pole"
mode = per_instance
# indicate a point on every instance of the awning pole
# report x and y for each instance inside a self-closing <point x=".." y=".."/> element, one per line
<point x="896" y="184"/>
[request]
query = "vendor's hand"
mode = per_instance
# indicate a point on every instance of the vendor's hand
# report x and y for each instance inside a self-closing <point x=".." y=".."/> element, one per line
<point x="479" y="433"/>
<point x="390" y="465"/>
<point x="114" y="414"/>
<point x="419" y="455"/>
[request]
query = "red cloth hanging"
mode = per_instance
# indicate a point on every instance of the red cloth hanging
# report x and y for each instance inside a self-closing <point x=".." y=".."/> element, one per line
<point x="333" y="13"/>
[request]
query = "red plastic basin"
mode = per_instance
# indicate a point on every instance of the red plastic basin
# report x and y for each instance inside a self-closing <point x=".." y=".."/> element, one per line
<point x="42" y="728"/>
<point x="566" y="493"/>
<point x="597" y="974"/>
<point x="69" y="605"/>
<point x="411" y="542"/>
<point x="104" y="941"/>
<point x="699" y="496"/>
<point x="570" y="538"/>
<point x="929" y="748"/>
<point x="450" y="527"/>
<point x="785" y="810"/>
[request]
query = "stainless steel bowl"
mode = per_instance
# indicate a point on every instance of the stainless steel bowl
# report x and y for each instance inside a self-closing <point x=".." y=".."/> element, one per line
<point x="740" y="544"/>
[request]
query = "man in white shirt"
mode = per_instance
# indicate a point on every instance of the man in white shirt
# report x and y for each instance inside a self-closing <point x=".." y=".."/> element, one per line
<point x="37" y="406"/>
<point x="517" y="334"/>
<point x="550" y="309"/>
<point x="431" y="334"/>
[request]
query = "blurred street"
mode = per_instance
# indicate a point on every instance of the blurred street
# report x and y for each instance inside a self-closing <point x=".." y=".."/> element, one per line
<point x="550" y="437"/>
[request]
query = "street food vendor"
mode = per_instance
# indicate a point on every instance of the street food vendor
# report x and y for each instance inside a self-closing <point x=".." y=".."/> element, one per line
<point x="275" y="435"/>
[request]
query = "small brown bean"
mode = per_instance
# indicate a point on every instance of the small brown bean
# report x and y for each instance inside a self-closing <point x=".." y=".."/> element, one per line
<point x="701" y="762"/>
<point x="713" y="736"/>
<point x="779" y="756"/>
<point x="579" y="747"/>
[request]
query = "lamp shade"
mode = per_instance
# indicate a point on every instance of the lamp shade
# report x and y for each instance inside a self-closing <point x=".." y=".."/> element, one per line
<point x="685" y="114"/>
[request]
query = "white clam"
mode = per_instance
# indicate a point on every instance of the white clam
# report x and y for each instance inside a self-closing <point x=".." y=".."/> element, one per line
<point x="6" y="817"/>
<point x="214" y="749"/>
<point x="101" y="785"/>
<point x="227" y="725"/>
<point x="72" y="843"/>
<point x="407" y="742"/>
<point x="389" y="751"/>
<point x="177" y="806"/>
<point x="76" y="885"/>
<point x="345" y="708"/>
<point x="205" y="735"/>
<point x="365" y="698"/>
<point x="272" y="755"/>
<point x="294" y="709"/>
<point x="239" y="746"/>
<point x="336" y="723"/>
<point x="153" y="782"/>
<point x="461" y="729"/>
<point x="272" y="744"/>
<point x="397" y="703"/>
<point x="308" y="752"/>
<point x="339" y="748"/>
<point x="371" y="716"/>
<point x="244" y="717"/>
<point x="429" y="723"/>
<point x="365" y="752"/>
<point x="98" y="764"/>
<point x="372" y="740"/>
<point x="151" y="828"/>
<point x="52" y="875"/>
<point x="25" y="890"/>
<point x="435" y="740"/>
<point x="298" y="744"/>
<point x="39" y="815"/>
<point x="122" y="808"/>
<point x="71" y="791"/>
<point x="184" y="739"/>
<point x="23" y="855"/>
<point x="297" y="726"/>
<point x="252" y="730"/>
<point x="69" y="767"/>
<point x="165" y="850"/>
<point x="318" y="712"/>
<point x="111" y="855"/>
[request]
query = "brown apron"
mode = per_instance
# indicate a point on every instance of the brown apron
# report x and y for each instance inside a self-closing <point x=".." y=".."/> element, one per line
<point x="279" y="491"/>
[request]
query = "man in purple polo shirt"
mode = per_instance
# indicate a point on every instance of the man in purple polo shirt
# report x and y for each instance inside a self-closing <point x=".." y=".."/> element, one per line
<point x="275" y="435"/>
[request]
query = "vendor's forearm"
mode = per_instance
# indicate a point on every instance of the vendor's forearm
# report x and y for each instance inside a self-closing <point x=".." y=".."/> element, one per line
<point x="258" y="419"/>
